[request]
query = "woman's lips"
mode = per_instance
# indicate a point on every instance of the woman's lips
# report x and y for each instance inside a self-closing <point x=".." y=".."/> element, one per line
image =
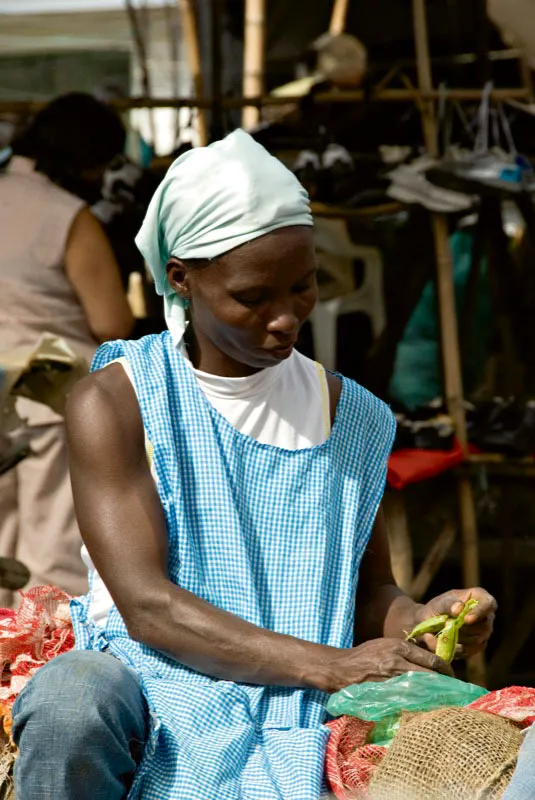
<point x="282" y="351"/>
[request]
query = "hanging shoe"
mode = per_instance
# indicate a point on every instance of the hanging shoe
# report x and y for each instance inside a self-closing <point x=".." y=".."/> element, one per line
<point x="410" y="184"/>
<point x="492" y="174"/>
<point x="338" y="173"/>
<point x="307" y="170"/>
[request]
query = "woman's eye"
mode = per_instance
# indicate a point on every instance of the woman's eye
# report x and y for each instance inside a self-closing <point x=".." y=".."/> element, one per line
<point x="304" y="287"/>
<point x="250" y="301"/>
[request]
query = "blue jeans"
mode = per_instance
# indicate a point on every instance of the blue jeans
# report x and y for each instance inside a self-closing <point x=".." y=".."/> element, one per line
<point x="522" y="786"/>
<point x="80" y="724"/>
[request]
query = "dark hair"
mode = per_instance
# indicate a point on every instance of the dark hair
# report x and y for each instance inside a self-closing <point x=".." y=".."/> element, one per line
<point x="72" y="133"/>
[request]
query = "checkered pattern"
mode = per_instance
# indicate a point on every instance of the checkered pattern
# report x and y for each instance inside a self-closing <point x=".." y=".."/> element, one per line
<point x="273" y="536"/>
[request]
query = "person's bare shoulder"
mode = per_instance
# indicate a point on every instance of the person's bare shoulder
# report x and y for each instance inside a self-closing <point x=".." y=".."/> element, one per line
<point x="102" y="418"/>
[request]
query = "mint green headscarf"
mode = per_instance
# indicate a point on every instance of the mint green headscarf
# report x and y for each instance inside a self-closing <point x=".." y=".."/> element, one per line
<point x="211" y="200"/>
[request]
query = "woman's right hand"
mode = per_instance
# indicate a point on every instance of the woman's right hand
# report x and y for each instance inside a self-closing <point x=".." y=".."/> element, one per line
<point x="375" y="660"/>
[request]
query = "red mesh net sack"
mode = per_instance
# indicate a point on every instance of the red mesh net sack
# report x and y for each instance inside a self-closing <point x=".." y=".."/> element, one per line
<point x="514" y="702"/>
<point x="349" y="761"/>
<point x="29" y="637"/>
<point x="448" y="754"/>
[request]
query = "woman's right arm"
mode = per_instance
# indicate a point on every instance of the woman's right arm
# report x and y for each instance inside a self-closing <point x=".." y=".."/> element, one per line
<point x="124" y="528"/>
<point x="93" y="271"/>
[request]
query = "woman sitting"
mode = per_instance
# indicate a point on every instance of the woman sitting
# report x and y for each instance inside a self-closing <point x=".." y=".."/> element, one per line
<point x="228" y="491"/>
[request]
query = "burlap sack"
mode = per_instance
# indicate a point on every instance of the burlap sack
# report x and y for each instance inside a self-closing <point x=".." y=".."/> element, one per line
<point x="448" y="754"/>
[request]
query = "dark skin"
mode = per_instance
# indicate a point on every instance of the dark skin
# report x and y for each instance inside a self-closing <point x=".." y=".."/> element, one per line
<point x="247" y="308"/>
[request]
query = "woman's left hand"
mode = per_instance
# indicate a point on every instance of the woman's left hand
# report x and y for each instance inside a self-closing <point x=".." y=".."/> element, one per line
<point x="478" y="625"/>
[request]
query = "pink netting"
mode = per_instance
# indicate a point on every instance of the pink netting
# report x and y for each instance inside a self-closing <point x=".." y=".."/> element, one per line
<point x="37" y="632"/>
<point x="350" y="762"/>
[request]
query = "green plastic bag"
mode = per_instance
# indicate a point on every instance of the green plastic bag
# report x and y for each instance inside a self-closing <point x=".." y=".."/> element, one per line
<point x="384" y="702"/>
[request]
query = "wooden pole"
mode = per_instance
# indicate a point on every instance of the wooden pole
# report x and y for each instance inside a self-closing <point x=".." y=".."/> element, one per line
<point x="139" y="39"/>
<point x="173" y="30"/>
<point x="253" y="58"/>
<point x="453" y="386"/>
<point x="339" y="17"/>
<point x="425" y="81"/>
<point x="216" y="33"/>
<point x="189" y="26"/>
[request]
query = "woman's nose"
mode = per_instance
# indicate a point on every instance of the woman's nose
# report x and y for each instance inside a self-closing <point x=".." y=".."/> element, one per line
<point x="283" y="320"/>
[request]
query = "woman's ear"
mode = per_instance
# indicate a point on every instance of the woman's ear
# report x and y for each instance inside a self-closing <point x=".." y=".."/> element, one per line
<point x="177" y="277"/>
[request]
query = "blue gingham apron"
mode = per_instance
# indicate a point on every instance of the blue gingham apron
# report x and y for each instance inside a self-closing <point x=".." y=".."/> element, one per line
<point x="274" y="536"/>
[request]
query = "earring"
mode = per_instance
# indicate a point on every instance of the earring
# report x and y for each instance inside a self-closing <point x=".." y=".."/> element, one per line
<point x="185" y="301"/>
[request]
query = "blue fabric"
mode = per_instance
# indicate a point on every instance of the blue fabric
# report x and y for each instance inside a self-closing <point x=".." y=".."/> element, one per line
<point x="271" y="535"/>
<point x="81" y="724"/>
<point x="522" y="786"/>
<point x="416" y="378"/>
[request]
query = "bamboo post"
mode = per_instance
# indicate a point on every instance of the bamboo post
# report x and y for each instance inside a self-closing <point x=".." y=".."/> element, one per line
<point x="141" y="48"/>
<point x="173" y="30"/>
<point x="453" y="386"/>
<point x="253" y="58"/>
<point x="216" y="35"/>
<point x="189" y="26"/>
<point x="339" y="17"/>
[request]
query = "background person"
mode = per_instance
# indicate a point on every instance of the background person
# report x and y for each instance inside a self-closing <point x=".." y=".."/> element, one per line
<point x="57" y="274"/>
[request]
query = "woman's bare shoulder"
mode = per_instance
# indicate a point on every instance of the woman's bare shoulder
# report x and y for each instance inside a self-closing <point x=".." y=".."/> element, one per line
<point x="103" y="412"/>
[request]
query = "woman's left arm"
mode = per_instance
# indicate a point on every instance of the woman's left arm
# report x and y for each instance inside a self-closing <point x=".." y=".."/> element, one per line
<point x="383" y="609"/>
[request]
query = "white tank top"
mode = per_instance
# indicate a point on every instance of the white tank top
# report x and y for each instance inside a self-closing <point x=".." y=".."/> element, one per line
<point x="268" y="406"/>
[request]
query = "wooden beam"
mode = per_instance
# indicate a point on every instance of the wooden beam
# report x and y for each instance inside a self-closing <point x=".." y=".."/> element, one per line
<point x="342" y="97"/>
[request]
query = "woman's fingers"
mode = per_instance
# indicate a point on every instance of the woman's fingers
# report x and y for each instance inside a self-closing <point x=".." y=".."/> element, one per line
<point x="426" y="659"/>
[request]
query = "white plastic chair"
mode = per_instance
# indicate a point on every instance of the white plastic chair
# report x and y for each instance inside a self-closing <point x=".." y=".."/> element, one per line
<point x="368" y="299"/>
